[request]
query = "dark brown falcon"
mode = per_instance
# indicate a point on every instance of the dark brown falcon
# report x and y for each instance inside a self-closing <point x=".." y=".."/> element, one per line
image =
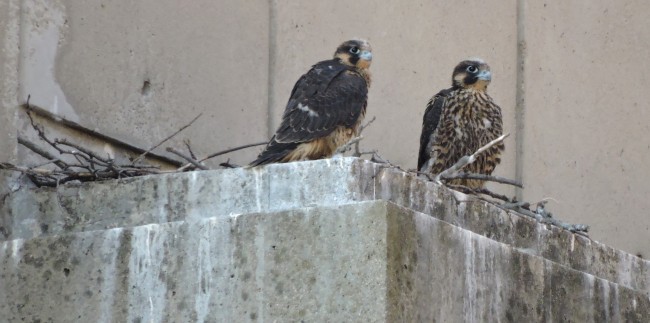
<point x="325" y="108"/>
<point x="460" y="120"/>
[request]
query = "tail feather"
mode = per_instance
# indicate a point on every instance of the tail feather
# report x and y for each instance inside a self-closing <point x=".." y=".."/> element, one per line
<point x="274" y="152"/>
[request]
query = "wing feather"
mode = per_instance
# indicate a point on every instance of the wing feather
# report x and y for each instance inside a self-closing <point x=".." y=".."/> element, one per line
<point x="430" y="122"/>
<point x="328" y="96"/>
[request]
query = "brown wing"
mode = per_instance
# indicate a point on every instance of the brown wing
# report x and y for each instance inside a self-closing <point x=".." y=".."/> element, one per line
<point x="430" y="122"/>
<point x="328" y="96"/>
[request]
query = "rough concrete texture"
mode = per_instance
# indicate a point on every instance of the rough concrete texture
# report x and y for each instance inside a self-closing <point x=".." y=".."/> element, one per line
<point x="304" y="264"/>
<point x="9" y="54"/>
<point x="585" y="105"/>
<point x="139" y="70"/>
<point x="365" y="262"/>
<point x="341" y="239"/>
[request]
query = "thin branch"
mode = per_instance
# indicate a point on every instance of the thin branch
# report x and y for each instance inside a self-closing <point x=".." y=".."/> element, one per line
<point x="188" y="158"/>
<point x="348" y="145"/>
<point x="90" y="155"/>
<point x="189" y="148"/>
<point x="227" y="164"/>
<point x="40" y="151"/>
<point x="223" y="152"/>
<point x="166" y="139"/>
<point x="466" y="160"/>
<point x="355" y="141"/>
<point x="482" y="177"/>
<point x="476" y="191"/>
<point x="357" y="152"/>
<point x="542" y="216"/>
<point x="62" y="121"/>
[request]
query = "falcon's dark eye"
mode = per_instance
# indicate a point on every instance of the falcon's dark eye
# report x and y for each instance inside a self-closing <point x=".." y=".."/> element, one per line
<point x="472" y="69"/>
<point x="354" y="50"/>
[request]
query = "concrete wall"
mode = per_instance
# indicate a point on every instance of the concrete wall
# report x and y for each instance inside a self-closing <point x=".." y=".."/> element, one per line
<point x="568" y="77"/>
<point x="364" y="244"/>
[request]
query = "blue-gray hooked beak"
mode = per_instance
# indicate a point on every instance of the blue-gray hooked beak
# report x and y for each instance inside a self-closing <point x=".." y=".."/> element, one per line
<point x="366" y="55"/>
<point x="485" y="76"/>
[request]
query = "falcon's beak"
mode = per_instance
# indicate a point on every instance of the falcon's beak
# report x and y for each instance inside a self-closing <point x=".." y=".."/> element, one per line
<point x="366" y="55"/>
<point x="485" y="76"/>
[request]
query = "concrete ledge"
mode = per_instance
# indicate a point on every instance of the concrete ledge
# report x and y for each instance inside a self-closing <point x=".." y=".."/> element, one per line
<point x="173" y="197"/>
<point x="177" y="197"/>
<point x="368" y="261"/>
<point x="305" y="264"/>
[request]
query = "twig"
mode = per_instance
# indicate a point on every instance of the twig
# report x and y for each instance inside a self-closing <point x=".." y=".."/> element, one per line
<point x="219" y="153"/>
<point x="189" y="148"/>
<point x="90" y="155"/>
<point x="482" y="177"/>
<point x="348" y="145"/>
<point x="227" y="164"/>
<point x="466" y="160"/>
<point x="542" y="216"/>
<point x="223" y="152"/>
<point x="166" y="139"/>
<point x="40" y="151"/>
<point x="357" y="153"/>
<point x="476" y="191"/>
<point x="88" y="166"/>
<point x="188" y="158"/>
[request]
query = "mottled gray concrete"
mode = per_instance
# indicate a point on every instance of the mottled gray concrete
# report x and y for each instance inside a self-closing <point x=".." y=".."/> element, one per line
<point x="308" y="264"/>
<point x="365" y="262"/>
<point x="9" y="56"/>
<point x="568" y="76"/>
<point x="189" y="196"/>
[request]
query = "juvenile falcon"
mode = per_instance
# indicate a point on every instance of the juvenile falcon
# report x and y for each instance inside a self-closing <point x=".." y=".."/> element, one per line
<point x="325" y="108"/>
<point x="460" y="120"/>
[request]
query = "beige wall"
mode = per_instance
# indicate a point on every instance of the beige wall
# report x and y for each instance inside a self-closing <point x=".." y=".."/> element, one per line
<point x="582" y="121"/>
<point x="587" y="118"/>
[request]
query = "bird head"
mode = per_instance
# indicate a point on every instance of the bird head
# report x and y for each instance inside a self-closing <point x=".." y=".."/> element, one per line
<point x="356" y="52"/>
<point x="472" y="74"/>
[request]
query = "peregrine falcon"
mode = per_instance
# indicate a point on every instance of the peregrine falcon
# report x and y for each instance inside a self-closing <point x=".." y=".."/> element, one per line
<point x="325" y="108"/>
<point x="460" y="120"/>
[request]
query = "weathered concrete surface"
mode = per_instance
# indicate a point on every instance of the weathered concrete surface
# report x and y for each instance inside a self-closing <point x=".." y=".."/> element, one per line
<point x="191" y="196"/>
<point x="369" y="261"/>
<point x="304" y="264"/>
<point x="9" y="54"/>
<point x="139" y="70"/>
<point x="585" y="69"/>
<point x="156" y="199"/>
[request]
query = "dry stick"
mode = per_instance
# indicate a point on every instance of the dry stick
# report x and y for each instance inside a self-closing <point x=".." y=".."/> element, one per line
<point x="188" y="158"/>
<point x="348" y="145"/>
<point x="357" y="152"/>
<point x="42" y="152"/>
<point x="62" y="121"/>
<point x="87" y="162"/>
<point x="355" y="141"/>
<point x="45" y="163"/>
<point x="477" y="191"/>
<point x="166" y="139"/>
<point x="189" y="148"/>
<point x="223" y="152"/>
<point x="91" y="155"/>
<point x="483" y="177"/>
<point x="466" y="160"/>
<point x="581" y="229"/>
